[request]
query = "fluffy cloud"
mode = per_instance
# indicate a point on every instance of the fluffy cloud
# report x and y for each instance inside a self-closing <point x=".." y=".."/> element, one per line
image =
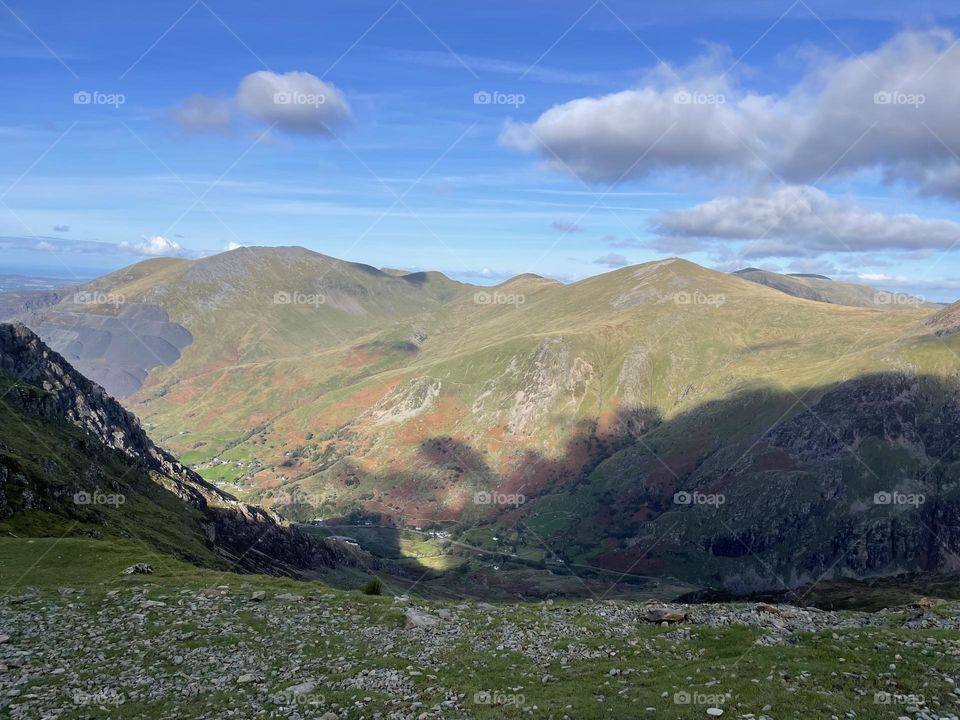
<point x="202" y="114"/>
<point x="893" y="110"/>
<point x="154" y="246"/>
<point x="803" y="221"/>
<point x="294" y="102"/>
<point x="612" y="260"/>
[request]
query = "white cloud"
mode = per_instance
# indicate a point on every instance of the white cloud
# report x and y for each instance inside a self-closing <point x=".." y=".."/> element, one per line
<point x="202" y="114"/>
<point x="295" y="102"/>
<point x="804" y="221"/>
<point x="154" y="246"/>
<point x="885" y="110"/>
<point x="233" y="246"/>
<point x="612" y="260"/>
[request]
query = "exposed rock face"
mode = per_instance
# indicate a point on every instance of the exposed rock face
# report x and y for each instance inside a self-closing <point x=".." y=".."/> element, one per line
<point x="251" y="539"/>
<point x="861" y="483"/>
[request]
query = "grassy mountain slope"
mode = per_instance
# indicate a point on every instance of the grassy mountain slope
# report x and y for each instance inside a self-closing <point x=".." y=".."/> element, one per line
<point x="73" y="460"/>
<point x="824" y="289"/>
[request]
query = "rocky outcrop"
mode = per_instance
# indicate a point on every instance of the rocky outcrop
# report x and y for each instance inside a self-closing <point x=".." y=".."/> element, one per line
<point x="861" y="483"/>
<point x="47" y="388"/>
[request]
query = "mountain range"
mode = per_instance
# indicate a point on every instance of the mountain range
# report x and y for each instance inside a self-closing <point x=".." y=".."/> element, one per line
<point x="746" y="431"/>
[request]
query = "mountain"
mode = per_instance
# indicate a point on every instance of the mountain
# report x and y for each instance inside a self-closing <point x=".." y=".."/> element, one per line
<point x="592" y="426"/>
<point x="246" y="305"/>
<point x="823" y="289"/>
<point x="945" y="322"/>
<point x="72" y="459"/>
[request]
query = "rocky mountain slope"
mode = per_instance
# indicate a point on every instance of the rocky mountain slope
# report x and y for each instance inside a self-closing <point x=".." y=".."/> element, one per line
<point x="946" y="321"/>
<point x="70" y="453"/>
<point x="570" y="426"/>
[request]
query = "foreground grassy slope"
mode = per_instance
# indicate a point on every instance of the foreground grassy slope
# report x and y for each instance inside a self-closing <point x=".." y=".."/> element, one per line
<point x="181" y="642"/>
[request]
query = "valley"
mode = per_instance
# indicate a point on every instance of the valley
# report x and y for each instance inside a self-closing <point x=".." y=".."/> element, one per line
<point x="662" y="423"/>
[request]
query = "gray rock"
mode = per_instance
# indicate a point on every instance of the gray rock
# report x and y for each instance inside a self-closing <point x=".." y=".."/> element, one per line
<point x="414" y="618"/>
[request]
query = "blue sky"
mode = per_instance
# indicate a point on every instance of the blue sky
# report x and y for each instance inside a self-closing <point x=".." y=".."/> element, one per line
<point x="734" y="134"/>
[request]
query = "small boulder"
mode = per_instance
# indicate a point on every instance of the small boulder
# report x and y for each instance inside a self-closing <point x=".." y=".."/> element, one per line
<point x="258" y="596"/>
<point x="664" y="614"/>
<point x="139" y="569"/>
<point x="303" y="688"/>
<point x="414" y="618"/>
